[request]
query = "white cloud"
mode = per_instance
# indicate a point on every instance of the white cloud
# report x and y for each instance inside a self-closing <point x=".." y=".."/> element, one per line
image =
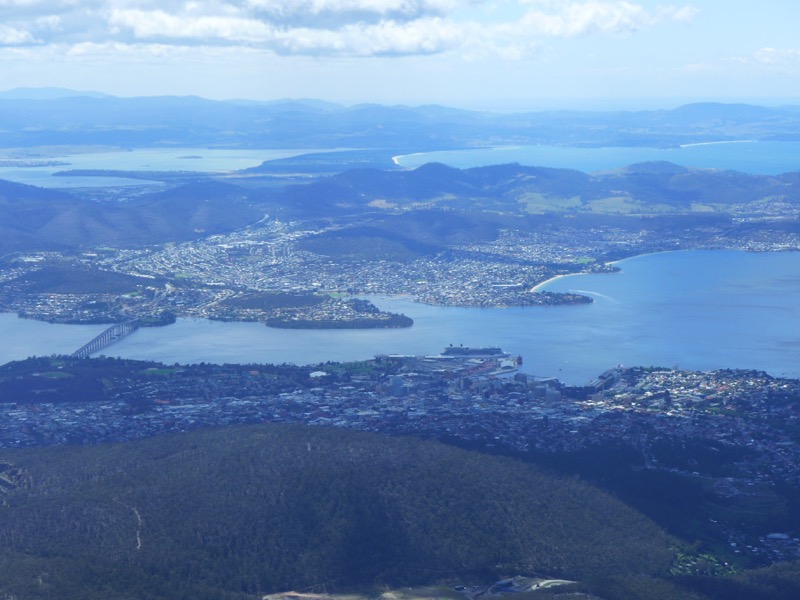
<point x="50" y="21"/>
<point x="570" y="19"/>
<point x="328" y="27"/>
<point x="159" y="24"/>
<point x="20" y="3"/>
<point x="684" y="13"/>
<point x="10" y="36"/>
<point x="422" y="36"/>
<point x="777" y="57"/>
<point x="382" y="8"/>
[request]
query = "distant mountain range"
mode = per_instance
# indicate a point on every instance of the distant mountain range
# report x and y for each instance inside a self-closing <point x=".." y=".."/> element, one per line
<point x="53" y="116"/>
<point x="48" y="93"/>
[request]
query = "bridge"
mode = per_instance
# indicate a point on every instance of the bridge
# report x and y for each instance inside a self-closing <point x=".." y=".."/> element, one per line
<point x="114" y="333"/>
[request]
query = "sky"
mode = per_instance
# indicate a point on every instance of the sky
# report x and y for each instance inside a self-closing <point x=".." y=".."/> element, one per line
<point x="478" y="54"/>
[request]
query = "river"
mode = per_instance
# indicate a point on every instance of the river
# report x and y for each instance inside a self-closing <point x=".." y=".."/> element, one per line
<point x="691" y="309"/>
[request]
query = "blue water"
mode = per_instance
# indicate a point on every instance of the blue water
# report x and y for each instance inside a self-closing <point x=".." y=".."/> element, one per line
<point x="695" y="310"/>
<point x="22" y="338"/>
<point x="698" y="310"/>
<point x="143" y="159"/>
<point x="749" y="157"/>
<point x="765" y="158"/>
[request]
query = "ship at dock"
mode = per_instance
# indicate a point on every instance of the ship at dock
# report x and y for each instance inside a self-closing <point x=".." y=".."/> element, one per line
<point x="463" y="359"/>
<point x="492" y="359"/>
<point x="468" y="352"/>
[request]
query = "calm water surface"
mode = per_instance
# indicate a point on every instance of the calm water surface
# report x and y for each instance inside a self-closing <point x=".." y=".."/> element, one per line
<point x="143" y="159"/>
<point x="749" y="157"/>
<point x="766" y="158"/>
<point x="695" y="310"/>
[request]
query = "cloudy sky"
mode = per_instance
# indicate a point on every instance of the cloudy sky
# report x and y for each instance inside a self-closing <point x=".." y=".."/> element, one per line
<point x="488" y="54"/>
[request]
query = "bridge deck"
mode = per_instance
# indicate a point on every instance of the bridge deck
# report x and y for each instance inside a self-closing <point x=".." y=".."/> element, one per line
<point x="114" y="333"/>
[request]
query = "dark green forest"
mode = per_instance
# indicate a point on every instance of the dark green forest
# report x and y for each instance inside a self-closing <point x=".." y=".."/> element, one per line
<point x="247" y="511"/>
<point x="237" y="513"/>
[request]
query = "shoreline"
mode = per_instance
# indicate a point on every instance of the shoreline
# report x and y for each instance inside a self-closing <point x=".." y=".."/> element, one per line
<point x="535" y="289"/>
<point x="635" y="256"/>
<point x="566" y="353"/>
<point x="396" y="158"/>
<point x="692" y="145"/>
<point x="613" y="262"/>
<point x="616" y="262"/>
<point x="586" y="159"/>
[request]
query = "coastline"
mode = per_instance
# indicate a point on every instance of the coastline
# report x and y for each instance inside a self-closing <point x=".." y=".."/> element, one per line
<point x="537" y="287"/>
<point x="716" y="143"/>
<point x="396" y="158"/>
<point x="546" y="281"/>
<point x="772" y="158"/>
<point x="555" y="342"/>
<point x="616" y="262"/>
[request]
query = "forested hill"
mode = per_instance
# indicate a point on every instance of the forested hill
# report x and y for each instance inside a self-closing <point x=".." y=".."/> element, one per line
<point x="44" y="219"/>
<point x="35" y="218"/>
<point x="238" y="514"/>
<point x="653" y="188"/>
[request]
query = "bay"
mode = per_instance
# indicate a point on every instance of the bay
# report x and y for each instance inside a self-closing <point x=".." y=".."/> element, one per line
<point x="141" y="159"/>
<point x="753" y="157"/>
<point x="691" y="309"/>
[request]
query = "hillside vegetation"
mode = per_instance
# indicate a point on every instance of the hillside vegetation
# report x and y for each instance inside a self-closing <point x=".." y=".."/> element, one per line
<point x="403" y="214"/>
<point x="42" y="219"/>
<point x="245" y="512"/>
<point x="645" y="188"/>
